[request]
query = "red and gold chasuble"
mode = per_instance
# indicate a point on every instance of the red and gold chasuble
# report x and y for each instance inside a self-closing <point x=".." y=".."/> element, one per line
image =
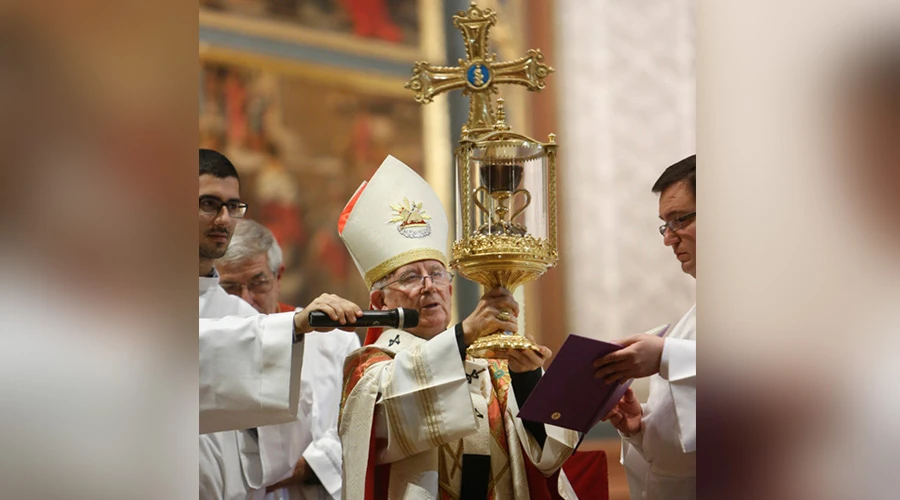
<point x="422" y="422"/>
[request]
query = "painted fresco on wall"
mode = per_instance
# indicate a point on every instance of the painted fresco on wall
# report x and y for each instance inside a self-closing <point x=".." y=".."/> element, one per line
<point x="302" y="145"/>
<point x="392" y="21"/>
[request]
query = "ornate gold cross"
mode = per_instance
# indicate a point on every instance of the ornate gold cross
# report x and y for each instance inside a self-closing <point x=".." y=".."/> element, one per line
<point x="479" y="74"/>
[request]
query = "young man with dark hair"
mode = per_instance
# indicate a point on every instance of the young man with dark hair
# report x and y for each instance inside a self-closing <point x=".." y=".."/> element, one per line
<point x="249" y="362"/>
<point x="659" y="449"/>
<point x="684" y="171"/>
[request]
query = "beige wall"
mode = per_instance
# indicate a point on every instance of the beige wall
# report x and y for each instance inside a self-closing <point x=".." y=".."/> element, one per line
<point x="627" y="110"/>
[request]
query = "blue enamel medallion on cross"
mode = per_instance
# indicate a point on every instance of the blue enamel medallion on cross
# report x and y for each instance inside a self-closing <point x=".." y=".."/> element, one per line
<point x="478" y="75"/>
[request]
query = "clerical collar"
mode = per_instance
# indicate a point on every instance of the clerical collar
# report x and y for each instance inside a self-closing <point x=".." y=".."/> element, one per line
<point x="209" y="281"/>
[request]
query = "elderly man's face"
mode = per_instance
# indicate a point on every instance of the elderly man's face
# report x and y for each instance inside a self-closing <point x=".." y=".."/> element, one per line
<point x="678" y="200"/>
<point x="252" y="280"/>
<point x="432" y="300"/>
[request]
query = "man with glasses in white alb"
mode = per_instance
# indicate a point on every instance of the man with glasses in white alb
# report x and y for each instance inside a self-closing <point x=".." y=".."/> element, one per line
<point x="250" y="363"/>
<point x="659" y="438"/>
<point x="251" y="269"/>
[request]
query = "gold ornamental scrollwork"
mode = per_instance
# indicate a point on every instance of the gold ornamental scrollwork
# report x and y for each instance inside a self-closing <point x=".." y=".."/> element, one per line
<point x="539" y="248"/>
<point x="480" y="73"/>
<point x="506" y="182"/>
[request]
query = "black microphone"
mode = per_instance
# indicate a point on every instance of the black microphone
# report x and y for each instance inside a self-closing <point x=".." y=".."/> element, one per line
<point x="392" y="318"/>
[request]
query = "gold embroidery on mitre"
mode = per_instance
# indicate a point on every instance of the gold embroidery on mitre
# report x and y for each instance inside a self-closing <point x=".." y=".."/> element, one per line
<point x="411" y="219"/>
<point x="414" y="255"/>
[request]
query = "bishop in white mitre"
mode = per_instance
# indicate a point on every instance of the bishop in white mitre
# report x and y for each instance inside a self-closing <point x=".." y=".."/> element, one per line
<point x="420" y="419"/>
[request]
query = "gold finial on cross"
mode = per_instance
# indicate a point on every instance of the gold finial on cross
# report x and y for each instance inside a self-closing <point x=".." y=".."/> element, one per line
<point x="478" y="75"/>
<point x="501" y="116"/>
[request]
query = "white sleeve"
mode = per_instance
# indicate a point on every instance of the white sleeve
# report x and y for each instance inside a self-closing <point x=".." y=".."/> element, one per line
<point x="249" y="372"/>
<point x="679" y="367"/>
<point x="636" y="467"/>
<point x="323" y="456"/>
<point x="635" y="440"/>
<point x="425" y="399"/>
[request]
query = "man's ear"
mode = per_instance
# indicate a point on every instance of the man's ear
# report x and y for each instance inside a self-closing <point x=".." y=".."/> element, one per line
<point x="280" y="273"/>
<point x="376" y="298"/>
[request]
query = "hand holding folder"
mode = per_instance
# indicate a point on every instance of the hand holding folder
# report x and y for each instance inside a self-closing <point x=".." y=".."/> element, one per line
<point x="569" y="395"/>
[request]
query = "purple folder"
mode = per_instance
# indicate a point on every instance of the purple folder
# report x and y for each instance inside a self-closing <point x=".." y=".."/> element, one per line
<point x="568" y="395"/>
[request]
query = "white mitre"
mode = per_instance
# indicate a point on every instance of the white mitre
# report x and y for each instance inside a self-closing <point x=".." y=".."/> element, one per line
<point x="392" y="220"/>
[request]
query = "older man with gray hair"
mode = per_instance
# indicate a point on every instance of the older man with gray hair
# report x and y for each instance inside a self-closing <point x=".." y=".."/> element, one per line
<point x="252" y="268"/>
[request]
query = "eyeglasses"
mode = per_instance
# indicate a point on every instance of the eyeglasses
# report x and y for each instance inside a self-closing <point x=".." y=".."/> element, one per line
<point x="257" y="286"/>
<point x="411" y="281"/>
<point x="210" y="205"/>
<point x="677" y="223"/>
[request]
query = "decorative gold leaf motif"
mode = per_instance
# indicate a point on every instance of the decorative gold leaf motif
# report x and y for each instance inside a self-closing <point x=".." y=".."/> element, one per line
<point x="409" y="213"/>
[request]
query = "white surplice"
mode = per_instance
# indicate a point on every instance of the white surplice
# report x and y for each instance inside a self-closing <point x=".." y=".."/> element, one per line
<point x="429" y="408"/>
<point x="249" y="376"/>
<point x="314" y="435"/>
<point x="661" y="460"/>
<point x="249" y="373"/>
